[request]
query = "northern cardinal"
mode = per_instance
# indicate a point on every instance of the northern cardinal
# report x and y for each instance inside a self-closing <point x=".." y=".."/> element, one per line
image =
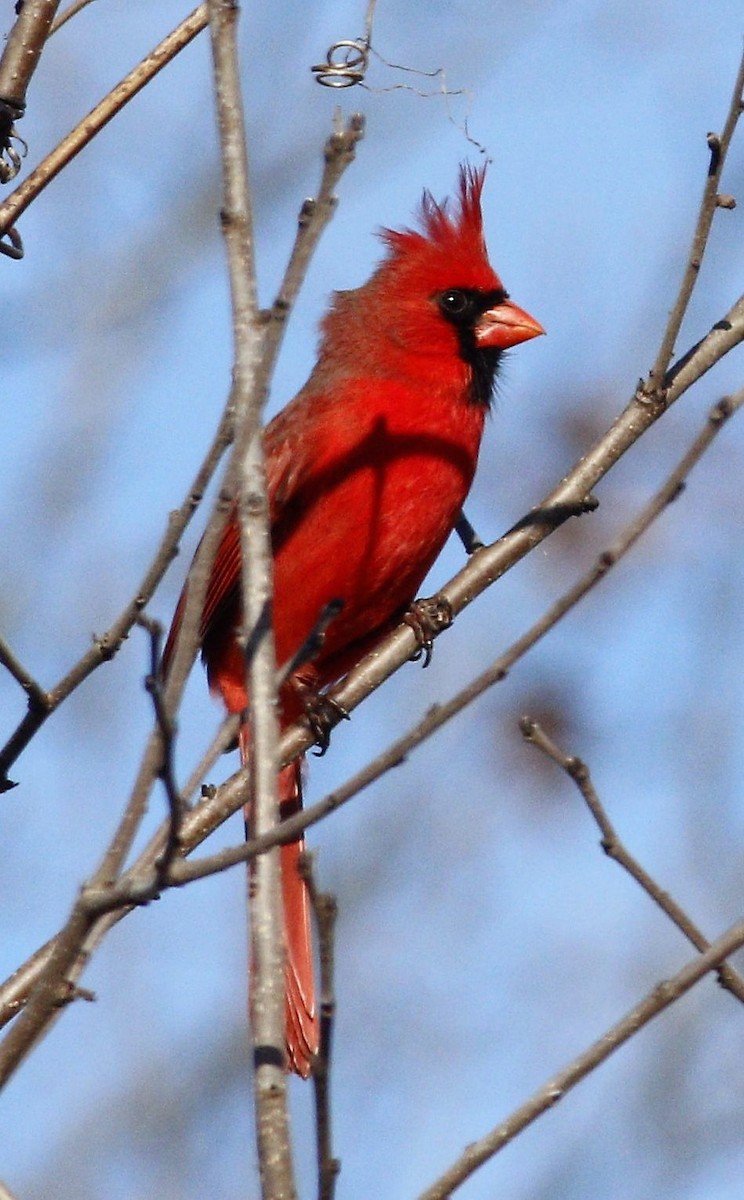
<point x="367" y="471"/>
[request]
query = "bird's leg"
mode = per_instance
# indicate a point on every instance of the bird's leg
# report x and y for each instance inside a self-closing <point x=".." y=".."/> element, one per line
<point x="427" y="618"/>
<point x="313" y="644"/>
<point x="467" y="535"/>
<point x="556" y="514"/>
<point x="322" y="714"/>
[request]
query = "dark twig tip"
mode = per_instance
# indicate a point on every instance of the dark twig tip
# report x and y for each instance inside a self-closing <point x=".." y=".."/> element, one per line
<point x="720" y="412"/>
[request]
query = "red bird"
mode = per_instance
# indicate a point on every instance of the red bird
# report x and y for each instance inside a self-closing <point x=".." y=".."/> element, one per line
<point x="367" y="471"/>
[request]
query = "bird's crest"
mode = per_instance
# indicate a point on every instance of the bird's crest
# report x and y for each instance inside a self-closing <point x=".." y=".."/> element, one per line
<point x="449" y="233"/>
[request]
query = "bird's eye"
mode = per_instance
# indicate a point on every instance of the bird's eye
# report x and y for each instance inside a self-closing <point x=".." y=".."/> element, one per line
<point x="456" y="304"/>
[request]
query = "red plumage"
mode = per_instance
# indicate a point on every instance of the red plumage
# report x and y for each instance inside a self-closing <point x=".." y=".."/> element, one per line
<point x="367" y="470"/>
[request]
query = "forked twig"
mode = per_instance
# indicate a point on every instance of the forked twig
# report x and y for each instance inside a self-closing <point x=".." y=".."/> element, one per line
<point x="578" y="771"/>
<point x="167" y="727"/>
<point x="72" y="10"/>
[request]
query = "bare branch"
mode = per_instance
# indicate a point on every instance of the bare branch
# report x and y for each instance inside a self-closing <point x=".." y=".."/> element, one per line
<point x="577" y="770"/>
<point x="325" y="911"/>
<point x="487" y="565"/>
<point x="37" y="697"/>
<point x="718" y="146"/>
<point x="659" y="999"/>
<point x="167" y="728"/>
<point x="48" y="993"/>
<point x="107" y="645"/>
<point x="19" y="200"/>
<point x="315" y="213"/>
<point x="267" y="926"/>
<point x="22" y="52"/>
<point x="72" y="10"/>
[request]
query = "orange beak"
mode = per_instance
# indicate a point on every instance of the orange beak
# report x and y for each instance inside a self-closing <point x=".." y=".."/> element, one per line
<point x="506" y="325"/>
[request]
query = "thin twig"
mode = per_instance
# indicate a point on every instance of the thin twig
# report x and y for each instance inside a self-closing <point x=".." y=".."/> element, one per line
<point x="47" y="995"/>
<point x="661" y="997"/>
<point x="37" y="697"/>
<point x="718" y="146"/>
<point x="224" y="739"/>
<point x="19" y="200"/>
<point x="167" y="727"/>
<point x="315" y="213"/>
<point x="72" y="10"/>
<point x="325" y="912"/>
<point x="578" y="771"/>
<point x="107" y="644"/>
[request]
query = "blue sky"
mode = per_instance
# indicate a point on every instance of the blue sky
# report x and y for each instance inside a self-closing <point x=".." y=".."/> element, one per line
<point x="484" y="940"/>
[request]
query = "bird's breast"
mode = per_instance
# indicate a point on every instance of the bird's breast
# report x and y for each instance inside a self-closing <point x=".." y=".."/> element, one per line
<point x="365" y="525"/>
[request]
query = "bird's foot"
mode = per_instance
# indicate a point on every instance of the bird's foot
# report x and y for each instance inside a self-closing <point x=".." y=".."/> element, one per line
<point x="323" y="714"/>
<point x="427" y="618"/>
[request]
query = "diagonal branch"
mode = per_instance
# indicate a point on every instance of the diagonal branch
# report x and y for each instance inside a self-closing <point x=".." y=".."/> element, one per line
<point x="719" y="147"/>
<point x="577" y="770"/>
<point x="37" y="697"/>
<point x="486" y="566"/>
<point x="91" y="125"/>
<point x="141" y="886"/>
<point x="104" y="647"/>
<point x="660" y="998"/>
<point x="19" y="60"/>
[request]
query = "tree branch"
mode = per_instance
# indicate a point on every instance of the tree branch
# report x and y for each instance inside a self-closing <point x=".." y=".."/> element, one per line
<point x="267" y="925"/>
<point x="719" y="147"/>
<point x="107" y="644"/>
<point x="659" y="999"/>
<point x="20" y="57"/>
<point x="325" y="912"/>
<point x="84" y="132"/>
<point x="578" y="771"/>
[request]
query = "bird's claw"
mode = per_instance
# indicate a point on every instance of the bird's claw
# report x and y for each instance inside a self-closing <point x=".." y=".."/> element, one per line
<point x="427" y="618"/>
<point x="323" y="713"/>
